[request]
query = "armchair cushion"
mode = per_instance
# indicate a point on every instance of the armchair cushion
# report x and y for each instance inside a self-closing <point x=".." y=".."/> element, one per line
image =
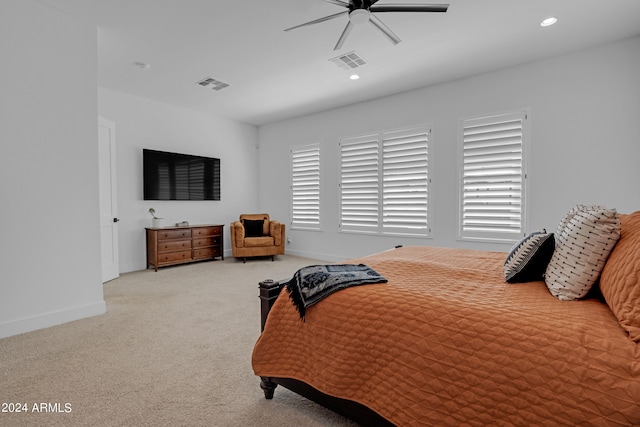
<point x="258" y="217"/>
<point x="253" y="227"/>
<point x="259" y="242"/>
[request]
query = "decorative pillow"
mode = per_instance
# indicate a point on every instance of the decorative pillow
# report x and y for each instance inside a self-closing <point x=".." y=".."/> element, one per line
<point x="529" y="258"/>
<point x="583" y="243"/>
<point x="565" y="220"/>
<point x="253" y="227"/>
<point x="620" y="280"/>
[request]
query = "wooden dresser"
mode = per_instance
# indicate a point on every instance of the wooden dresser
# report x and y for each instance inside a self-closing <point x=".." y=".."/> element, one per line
<point x="181" y="245"/>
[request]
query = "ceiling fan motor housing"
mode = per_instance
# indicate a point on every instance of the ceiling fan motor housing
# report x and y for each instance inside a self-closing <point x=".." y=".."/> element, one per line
<point x="359" y="16"/>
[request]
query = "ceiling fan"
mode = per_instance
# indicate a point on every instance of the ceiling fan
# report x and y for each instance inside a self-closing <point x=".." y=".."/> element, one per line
<point x="362" y="11"/>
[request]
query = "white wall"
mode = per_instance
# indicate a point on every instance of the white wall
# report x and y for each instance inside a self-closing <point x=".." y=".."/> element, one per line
<point x="49" y="250"/>
<point x="142" y="123"/>
<point x="585" y="144"/>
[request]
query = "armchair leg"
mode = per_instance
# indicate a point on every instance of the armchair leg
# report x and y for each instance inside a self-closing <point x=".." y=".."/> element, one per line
<point x="244" y="260"/>
<point x="272" y="258"/>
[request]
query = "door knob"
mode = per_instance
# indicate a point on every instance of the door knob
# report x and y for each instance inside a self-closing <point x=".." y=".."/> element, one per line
<point x="116" y="219"/>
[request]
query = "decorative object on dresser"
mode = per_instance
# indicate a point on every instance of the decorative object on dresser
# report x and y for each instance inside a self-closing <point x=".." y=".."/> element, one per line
<point x="180" y="245"/>
<point x="155" y="221"/>
<point x="257" y="235"/>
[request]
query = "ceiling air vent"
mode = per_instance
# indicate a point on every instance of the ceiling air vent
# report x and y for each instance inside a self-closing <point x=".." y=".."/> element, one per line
<point x="213" y="83"/>
<point x="349" y="61"/>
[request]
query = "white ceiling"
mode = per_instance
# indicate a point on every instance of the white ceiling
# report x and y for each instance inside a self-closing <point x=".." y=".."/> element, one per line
<point x="274" y="75"/>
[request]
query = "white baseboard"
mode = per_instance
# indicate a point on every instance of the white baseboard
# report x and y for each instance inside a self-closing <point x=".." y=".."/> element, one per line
<point x="129" y="267"/>
<point x="53" y="318"/>
<point x="142" y="264"/>
<point x="314" y="255"/>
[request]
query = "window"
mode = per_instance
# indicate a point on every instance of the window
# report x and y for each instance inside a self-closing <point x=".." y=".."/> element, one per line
<point x="359" y="184"/>
<point x="492" y="177"/>
<point x="305" y="187"/>
<point x="384" y="184"/>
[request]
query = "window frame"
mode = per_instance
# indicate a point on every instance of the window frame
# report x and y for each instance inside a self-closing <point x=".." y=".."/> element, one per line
<point x="485" y="233"/>
<point x="376" y="215"/>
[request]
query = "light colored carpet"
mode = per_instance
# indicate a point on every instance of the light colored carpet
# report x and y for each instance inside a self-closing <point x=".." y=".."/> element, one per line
<point x="173" y="349"/>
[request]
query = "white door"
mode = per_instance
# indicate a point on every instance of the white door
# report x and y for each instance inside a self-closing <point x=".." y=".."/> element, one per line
<point x="108" y="208"/>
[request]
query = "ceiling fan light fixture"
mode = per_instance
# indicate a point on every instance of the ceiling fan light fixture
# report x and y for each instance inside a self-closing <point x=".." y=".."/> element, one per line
<point x="359" y="16"/>
<point x="549" y="21"/>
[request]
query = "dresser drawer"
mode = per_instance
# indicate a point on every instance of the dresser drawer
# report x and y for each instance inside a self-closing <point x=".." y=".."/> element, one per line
<point x="173" y="245"/>
<point x="203" y="243"/>
<point x="206" y="252"/>
<point x="206" y="231"/>
<point x="174" y="234"/>
<point x="174" y="256"/>
<point x="202" y="253"/>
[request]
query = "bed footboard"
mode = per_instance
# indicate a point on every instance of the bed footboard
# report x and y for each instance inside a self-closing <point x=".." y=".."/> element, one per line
<point x="269" y="291"/>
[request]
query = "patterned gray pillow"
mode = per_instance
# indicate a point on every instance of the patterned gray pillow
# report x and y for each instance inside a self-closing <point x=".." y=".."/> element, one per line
<point x="528" y="259"/>
<point x="585" y="237"/>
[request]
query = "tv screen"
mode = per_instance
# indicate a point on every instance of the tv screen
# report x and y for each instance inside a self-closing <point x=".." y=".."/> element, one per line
<point x="173" y="176"/>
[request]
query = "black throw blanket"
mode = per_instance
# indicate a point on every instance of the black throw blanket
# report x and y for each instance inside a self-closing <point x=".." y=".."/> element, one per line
<point x="315" y="282"/>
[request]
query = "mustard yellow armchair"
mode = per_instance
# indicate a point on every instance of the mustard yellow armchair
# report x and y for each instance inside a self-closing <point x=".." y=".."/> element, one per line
<point x="257" y="235"/>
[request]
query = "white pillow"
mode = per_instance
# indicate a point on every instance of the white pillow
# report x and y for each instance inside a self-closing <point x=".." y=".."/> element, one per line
<point x="585" y="237"/>
<point x="565" y="221"/>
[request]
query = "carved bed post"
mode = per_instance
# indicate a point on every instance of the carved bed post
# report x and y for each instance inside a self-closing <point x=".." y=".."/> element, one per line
<point x="269" y="291"/>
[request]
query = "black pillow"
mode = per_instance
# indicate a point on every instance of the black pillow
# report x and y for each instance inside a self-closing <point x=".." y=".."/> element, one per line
<point x="529" y="258"/>
<point x="253" y="227"/>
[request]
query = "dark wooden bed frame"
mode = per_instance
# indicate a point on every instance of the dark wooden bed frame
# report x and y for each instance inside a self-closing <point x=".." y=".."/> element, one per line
<point x="269" y="291"/>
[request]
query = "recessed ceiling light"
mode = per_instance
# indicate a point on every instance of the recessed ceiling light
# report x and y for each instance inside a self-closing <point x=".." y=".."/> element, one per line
<point x="549" y="21"/>
<point x="354" y="77"/>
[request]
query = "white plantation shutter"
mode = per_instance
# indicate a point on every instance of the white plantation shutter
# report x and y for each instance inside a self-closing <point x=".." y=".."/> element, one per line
<point x="305" y="187"/>
<point x="492" y="196"/>
<point x="405" y="181"/>
<point x="359" y="184"/>
<point x="384" y="183"/>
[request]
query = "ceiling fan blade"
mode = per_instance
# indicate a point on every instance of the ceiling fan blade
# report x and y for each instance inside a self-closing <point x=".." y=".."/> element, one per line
<point x="344" y="35"/>
<point x="316" y="21"/>
<point x="338" y="2"/>
<point x="405" y="7"/>
<point x="385" y="30"/>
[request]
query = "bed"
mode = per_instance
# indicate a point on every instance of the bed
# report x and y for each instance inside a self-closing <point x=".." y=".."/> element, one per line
<point x="447" y="341"/>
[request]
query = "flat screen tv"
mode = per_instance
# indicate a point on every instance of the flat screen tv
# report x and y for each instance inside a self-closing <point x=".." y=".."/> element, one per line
<point x="173" y="176"/>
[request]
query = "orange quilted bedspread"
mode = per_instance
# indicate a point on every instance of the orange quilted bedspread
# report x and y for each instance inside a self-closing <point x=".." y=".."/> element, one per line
<point x="447" y="342"/>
